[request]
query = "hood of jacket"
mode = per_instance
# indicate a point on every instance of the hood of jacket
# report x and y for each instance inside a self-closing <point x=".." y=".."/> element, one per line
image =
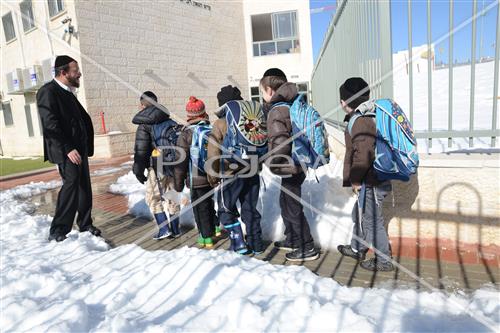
<point x="150" y="116"/>
<point x="286" y="93"/>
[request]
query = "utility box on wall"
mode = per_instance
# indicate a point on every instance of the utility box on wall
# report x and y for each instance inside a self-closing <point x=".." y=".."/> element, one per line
<point x="15" y="82"/>
<point x="33" y="78"/>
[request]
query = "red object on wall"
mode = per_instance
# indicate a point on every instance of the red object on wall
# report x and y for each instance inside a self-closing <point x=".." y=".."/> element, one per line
<point x="103" y="123"/>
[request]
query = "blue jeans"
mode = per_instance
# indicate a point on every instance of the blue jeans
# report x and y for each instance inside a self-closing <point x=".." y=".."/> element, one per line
<point x="371" y="228"/>
<point x="246" y="191"/>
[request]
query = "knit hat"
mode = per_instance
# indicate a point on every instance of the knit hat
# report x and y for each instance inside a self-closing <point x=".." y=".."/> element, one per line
<point x="148" y="95"/>
<point x="274" y="72"/>
<point x="195" y="109"/>
<point x="353" y="86"/>
<point x="228" y="93"/>
<point x="63" y="60"/>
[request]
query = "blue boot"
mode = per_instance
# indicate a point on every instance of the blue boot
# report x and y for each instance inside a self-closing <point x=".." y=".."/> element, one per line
<point x="174" y="224"/>
<point x="161" y="220"/>
<point x="236" y="236"/>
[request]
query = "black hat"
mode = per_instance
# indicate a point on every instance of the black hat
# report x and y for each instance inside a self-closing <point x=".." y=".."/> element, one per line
<point x="150" y="95"/>
<point x="228" y="93"/>
<point x="274" y="72"/>
<point x="63" y="60"/>
<point x="353" y="86"/>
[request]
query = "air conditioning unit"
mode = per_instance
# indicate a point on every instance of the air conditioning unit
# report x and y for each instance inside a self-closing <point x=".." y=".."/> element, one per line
<point x="48" y="71"/>
<point x="15" y="82"/>
<point x="33" y="77"/>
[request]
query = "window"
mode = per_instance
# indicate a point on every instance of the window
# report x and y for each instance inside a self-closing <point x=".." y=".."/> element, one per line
<point x="275" y="33"/>
<point x="255" y="94"/>
<point x="7" y="114"/>
<point x="8" y="27"/>
<point x="27" y="15"/>
<point x="303" y="89"/>
<point x="29" y="121"/>
<point x="55" y="7"/>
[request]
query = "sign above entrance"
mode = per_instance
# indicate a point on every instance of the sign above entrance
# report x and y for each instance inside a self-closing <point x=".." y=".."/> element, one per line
<point x="197" y="4"/>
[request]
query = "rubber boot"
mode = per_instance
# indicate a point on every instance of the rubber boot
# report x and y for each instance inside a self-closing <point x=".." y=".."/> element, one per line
<point x="236" y="236"/>
<point x="164" y="230"/>
<point x="174" y="224"/>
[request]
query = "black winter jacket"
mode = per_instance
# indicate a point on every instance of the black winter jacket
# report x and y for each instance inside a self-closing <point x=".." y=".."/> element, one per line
<point x="144" y="136"/>
<point x="66" y="124"/>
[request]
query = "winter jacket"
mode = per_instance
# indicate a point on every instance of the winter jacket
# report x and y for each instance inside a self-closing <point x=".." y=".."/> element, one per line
<point x="279" y="127"/>
<point x="181" y="170"/>
<point x="144" y="136"/>
<point x="66" y="124"/>
<point x="360" y="150"/>
<point x="214" y="151"/>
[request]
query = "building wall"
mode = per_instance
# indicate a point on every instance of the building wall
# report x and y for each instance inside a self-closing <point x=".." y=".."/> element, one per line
<point x="31" y="48"/>
<point x="173" y="48"/>
<point x="297" y="66"/>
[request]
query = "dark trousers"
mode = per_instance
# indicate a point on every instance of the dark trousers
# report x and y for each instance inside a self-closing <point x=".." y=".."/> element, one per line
<point x="297" y="229"/>
<point x="204" y="211"/>
<point x="75" y="196"/>
<point x="246" y="191"/>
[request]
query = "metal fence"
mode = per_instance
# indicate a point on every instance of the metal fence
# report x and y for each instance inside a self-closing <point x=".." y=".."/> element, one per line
<point x="358" y="43"/>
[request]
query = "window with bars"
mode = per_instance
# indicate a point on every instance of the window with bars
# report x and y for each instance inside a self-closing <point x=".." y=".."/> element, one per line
<point x="27" y="15"/>
<point x="29" y="120"/>
<point x="8" y="27"/>
<point x="7" y="114"/>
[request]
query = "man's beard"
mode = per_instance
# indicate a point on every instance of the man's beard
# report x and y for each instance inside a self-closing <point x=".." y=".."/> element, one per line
<point x="74" y="82"/>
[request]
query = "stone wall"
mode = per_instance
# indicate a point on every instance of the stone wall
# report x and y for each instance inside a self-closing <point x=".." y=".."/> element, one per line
<point x="173" y="48"/>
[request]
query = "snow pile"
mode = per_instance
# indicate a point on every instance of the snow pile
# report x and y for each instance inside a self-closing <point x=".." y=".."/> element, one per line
<point x="327" y="205"/>
<point x="80" y="285"/>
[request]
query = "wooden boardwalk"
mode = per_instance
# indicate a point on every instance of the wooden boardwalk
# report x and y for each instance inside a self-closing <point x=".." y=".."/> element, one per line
<point x="119" y="228"/>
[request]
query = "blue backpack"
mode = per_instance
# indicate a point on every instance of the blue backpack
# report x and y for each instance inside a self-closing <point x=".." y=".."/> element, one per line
<point x="310" y="139"/>
<point x="246" y="130"/>
<point x="396" y="146"/>
<point x="199" y="143"/>
<point x="165" y="136"/>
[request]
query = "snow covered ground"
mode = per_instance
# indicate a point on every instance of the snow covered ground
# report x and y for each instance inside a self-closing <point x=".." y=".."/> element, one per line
<point x="483" y="103"/>
<point x="81" y="285"/>
<point x="327" y="205"/>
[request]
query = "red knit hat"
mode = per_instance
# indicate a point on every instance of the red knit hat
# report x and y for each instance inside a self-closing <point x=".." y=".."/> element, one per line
<point x="195" y="108"/>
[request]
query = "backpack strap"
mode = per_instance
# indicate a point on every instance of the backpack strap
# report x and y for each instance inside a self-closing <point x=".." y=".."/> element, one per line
<point x="357" y="114"/>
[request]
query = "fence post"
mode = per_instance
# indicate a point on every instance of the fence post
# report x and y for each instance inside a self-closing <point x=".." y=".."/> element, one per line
<point x="386" y="47"/>
<point x="495" y="80"/>
<point x="472" y="72"/>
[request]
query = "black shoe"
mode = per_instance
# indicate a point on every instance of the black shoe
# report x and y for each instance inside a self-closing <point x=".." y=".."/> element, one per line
<point x="57" y="238"/>
<point x="374" y="265"/>
<point x="302" y="255"/>
<point x="346" y="250"/>
<point x="93" y="230"/>
<point x="284" y="245"/>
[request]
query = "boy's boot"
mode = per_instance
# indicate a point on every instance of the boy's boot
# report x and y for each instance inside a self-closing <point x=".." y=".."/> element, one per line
<point x="236" y="236"/>
<point x="175" y="225"/>
<point x="164" y="230"/>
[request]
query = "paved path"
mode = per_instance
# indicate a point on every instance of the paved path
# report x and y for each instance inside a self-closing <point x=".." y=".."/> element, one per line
<point x="119" y="227"/>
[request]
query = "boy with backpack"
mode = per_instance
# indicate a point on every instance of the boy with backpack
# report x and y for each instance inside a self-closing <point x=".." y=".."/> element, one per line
<point x="154" y="121"/>
<point x="238" y="137"/>
<point x="291" y="149"/>
<point x="193" y="141"/>
<point x="359" y="173"/>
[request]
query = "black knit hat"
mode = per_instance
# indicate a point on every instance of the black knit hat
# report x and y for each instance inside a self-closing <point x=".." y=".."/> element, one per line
<point x="228" y="93"/>
<point x="274" y="72"/>
<point x="148" y="95"/>
<point x="63" y="60"/>
<point x="353" y="86"/>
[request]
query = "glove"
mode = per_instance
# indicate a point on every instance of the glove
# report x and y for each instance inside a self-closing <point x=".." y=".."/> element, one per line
<point x="141" y="178"/>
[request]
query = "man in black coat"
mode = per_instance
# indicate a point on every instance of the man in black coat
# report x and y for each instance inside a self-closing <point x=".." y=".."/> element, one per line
<point x="68" y="141"/>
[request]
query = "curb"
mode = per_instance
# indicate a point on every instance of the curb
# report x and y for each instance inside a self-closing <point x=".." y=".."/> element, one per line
<point x="27" y="173"/>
